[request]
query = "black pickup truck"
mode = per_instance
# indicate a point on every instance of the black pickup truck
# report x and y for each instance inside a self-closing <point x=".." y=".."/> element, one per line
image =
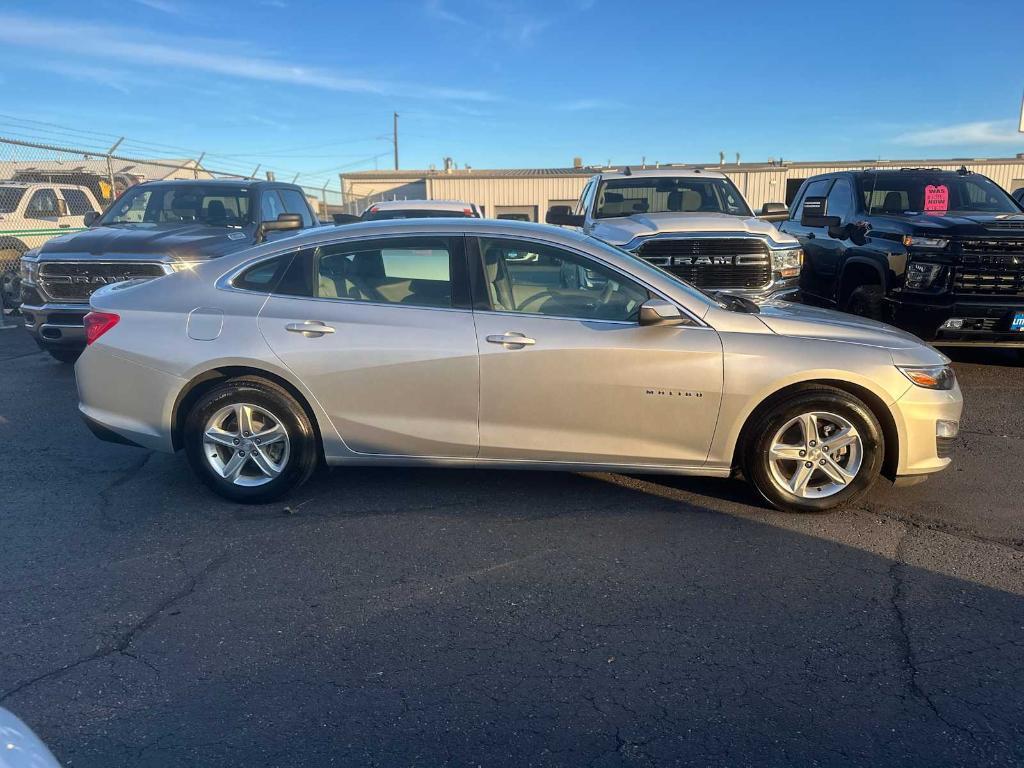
<point x="939" y="253"/>
<point x="152" y="229"/>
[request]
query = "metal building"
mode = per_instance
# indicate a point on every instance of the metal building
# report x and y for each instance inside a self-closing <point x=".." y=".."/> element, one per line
<point x="527" y="193"/>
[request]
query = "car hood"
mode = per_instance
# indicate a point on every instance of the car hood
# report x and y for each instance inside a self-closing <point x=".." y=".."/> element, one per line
<point x="623" y="229"/>
<point x="191" y="241"/>
<point x="799" y="320"/>
<point x="963" y="224"/>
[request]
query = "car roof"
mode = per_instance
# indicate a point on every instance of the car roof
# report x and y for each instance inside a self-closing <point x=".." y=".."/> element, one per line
<point x="436" y="205"/>
<point x="665" y="173"/>
<point x="249" y="183"/>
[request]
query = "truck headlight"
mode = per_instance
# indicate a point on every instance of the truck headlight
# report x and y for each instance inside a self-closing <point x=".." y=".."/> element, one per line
<point x="787" y="262"/>
<point x="27" y="269"/>
<point x="931" y="243"/>
<point x="921" y="274"/>
<point x="930" y="376"/>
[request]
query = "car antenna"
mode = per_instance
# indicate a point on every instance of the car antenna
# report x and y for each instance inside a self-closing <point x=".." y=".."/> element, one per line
<point x="962" y="170"/>
<point x="626" y="171"/>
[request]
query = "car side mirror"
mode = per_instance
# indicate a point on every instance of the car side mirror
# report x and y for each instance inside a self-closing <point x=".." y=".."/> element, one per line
<point x="90" y="218"/>
<point x="774" y="212"/>
<point x="346" y="218"/>
<point x="285" y="222"/>
<point x="562" y="215"/>
<point x="660" y="312"/>
<point x="815" y="214"/>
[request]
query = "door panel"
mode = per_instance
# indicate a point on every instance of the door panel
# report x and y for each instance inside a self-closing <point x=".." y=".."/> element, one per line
<point x="597" y="392"/>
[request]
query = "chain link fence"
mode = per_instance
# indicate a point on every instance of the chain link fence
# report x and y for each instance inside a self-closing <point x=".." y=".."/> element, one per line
<point x="47" y="190"/>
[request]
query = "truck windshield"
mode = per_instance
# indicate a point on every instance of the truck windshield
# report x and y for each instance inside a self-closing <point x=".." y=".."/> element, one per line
<point x="908" y="193"/>
<point x="215" y="206"/>
<point x="668" y="194"/>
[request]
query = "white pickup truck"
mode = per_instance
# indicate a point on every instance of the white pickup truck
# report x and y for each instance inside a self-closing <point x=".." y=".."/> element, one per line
<point x="693" y="223"/>
<point x="30" y="214"/>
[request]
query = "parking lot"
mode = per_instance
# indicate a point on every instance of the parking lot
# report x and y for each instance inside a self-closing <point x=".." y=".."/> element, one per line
<point x="416" y="617"/>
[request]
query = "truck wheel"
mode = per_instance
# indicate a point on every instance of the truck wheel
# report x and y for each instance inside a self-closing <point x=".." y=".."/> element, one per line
<point x="250" y="441"/>
<point x="10" y="280"/>
<point x="867" y="301"/>
<point x="816" y="450"/>
<point x="65" y="355"/>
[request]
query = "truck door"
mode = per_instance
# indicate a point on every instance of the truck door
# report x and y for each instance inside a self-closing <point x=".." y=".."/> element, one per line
<point x="814" y="242"/>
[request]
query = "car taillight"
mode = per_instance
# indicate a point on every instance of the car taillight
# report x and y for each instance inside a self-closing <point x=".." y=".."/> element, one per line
<point x="98" y="323"/>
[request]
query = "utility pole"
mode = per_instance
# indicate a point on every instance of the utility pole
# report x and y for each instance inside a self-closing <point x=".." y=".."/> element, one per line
<point x="394" y="136"/>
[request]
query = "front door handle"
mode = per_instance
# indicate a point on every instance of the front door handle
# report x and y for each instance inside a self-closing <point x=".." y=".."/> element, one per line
<point x="512" y="339"/>
<point x="311" y="329"/>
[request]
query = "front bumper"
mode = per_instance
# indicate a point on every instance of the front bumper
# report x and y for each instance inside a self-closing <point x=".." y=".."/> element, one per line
<point x="56" y="326"/>
<point x="918" y="413"/>
<point x="986" y="322"/>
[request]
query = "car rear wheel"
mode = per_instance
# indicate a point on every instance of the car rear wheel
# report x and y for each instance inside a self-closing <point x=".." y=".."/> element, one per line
<point x="250" y="441"/>
<point x="816" y="450"/>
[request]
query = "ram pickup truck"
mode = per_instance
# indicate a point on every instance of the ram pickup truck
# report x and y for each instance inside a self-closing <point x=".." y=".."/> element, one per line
<point x="939" y="253"/>
<point x="693" y="223"/>
<point x="151" y="230"/>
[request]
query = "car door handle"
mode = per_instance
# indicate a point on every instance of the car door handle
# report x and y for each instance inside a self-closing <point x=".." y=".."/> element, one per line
<point x="64" y="226"/>
<point x="311" y="329"/>
<point x="512" y="339"/>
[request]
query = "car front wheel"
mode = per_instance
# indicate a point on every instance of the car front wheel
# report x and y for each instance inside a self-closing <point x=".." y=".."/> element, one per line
<point x="250" y="441"/>
<point x="816" y="450"/>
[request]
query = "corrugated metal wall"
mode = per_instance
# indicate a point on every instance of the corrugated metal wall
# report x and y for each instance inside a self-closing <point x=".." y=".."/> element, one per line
<point x="758" y="185"/>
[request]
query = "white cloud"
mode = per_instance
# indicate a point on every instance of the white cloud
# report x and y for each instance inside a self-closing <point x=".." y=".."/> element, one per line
<point x="164" y="6"/>
<point x="976" y="133"/>
<point x="587" y="105"/>
<point x="438" y="10"/>
<point x="94" y="41"/>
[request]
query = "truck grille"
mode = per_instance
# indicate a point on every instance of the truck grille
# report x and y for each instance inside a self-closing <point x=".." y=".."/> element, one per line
<point x="993" y="267"/>
<point x="714" y="262"/>
<point x="76" y="281"/>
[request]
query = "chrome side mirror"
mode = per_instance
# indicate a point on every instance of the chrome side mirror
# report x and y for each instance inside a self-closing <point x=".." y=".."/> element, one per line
<point x="660" y="312"/>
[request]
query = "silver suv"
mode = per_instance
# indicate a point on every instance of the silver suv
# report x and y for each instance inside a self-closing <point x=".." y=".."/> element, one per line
<point x="693" y="223"/>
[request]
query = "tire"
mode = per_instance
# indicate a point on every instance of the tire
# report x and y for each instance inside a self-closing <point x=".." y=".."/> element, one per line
<point x="861" y="459"/>
<point x="68" y="356"/>
<point x="867" y="301"/>
<point x="294" y="457"/>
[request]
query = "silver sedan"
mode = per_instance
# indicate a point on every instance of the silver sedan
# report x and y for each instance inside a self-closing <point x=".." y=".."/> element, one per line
<point x="468" y="342"/>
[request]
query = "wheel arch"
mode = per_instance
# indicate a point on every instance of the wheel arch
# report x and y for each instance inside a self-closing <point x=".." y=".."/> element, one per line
<point x="203" y="382"/>
<point x="858" y="271"/>
<point x="881" y="411"/>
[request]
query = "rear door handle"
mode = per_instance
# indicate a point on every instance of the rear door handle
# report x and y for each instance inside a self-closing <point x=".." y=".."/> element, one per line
<point x="311" y="329"/>
<point x="512" y="339"/>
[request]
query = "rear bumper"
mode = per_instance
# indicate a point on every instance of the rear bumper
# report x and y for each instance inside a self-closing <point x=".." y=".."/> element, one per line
<point x="985" y="323"/>
<point x="56" y="326"/>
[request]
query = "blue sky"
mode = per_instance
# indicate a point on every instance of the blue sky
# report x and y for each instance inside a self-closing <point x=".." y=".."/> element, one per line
<point x="310" y="87"/>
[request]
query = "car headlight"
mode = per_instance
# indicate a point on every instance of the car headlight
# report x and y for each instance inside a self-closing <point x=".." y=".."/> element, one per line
<point x="930" y="376"/>
<point x="921" y="274"/>
<point x="27" y="270"/>
<point x="788" y="262"/>
<point x="932" y="243"/>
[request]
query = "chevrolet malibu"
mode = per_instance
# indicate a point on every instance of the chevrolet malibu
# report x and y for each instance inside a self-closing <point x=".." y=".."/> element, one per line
<point x="484" y="343"/>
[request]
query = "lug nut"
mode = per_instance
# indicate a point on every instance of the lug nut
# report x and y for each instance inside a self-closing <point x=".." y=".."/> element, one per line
<point x="245" y="434"/>
<point x="241" y="453"/>
<point x="813" y="443"/>
<point x="258" y="441"/>
<point x="803" y="453"/>
<point x="822" y="462"/>
<point x="824" y="449"/>
<point x="808" y="464"/>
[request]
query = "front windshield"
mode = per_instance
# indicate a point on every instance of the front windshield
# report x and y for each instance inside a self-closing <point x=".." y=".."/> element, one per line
<point x="668" y="194"/>
<point x="215" y="206"/>
<point x="908" y="193"/>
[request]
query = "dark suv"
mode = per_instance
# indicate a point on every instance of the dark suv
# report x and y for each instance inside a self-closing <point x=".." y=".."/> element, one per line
<point x="940" y="253"/>
<point x="152" y="229"/>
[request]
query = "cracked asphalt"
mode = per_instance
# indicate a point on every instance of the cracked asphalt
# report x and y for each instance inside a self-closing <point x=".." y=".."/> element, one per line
<point x="424" y="618"/>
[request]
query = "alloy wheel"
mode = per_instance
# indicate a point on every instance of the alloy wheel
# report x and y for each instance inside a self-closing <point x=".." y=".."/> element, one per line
<point x="815" y="455"/>
<point x="246" y="444"/>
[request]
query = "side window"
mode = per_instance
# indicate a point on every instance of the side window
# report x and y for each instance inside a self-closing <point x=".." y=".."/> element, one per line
<point x="414" y="271"/>
<point x="840" y="200"/>
<point x="42" y="203"/>
<point x="543" y="280"/>
<point x="270" y="205"/>
<point x="294" y="202"/>
<point x="263" y="276"/>
<point x="78" y="203"/>
<point x="817" y="188"/>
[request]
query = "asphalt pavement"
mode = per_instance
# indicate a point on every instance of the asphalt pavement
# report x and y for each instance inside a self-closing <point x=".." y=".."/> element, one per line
<point x="482" y="618"/>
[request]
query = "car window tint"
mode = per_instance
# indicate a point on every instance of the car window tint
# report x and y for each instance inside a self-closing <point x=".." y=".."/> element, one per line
<point x="262" y="276"/>
<point x="42" y="203"/>
<point x="840" y="200"/>
<point x="296" y="203"/>
<point x="270" y="205"/>
<point x="9" y="198"/>
<point x="78" y="203"/>
<point x="817" y="188"/>
<point x="543" y="280"/>
<point x="410" y="271"/>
